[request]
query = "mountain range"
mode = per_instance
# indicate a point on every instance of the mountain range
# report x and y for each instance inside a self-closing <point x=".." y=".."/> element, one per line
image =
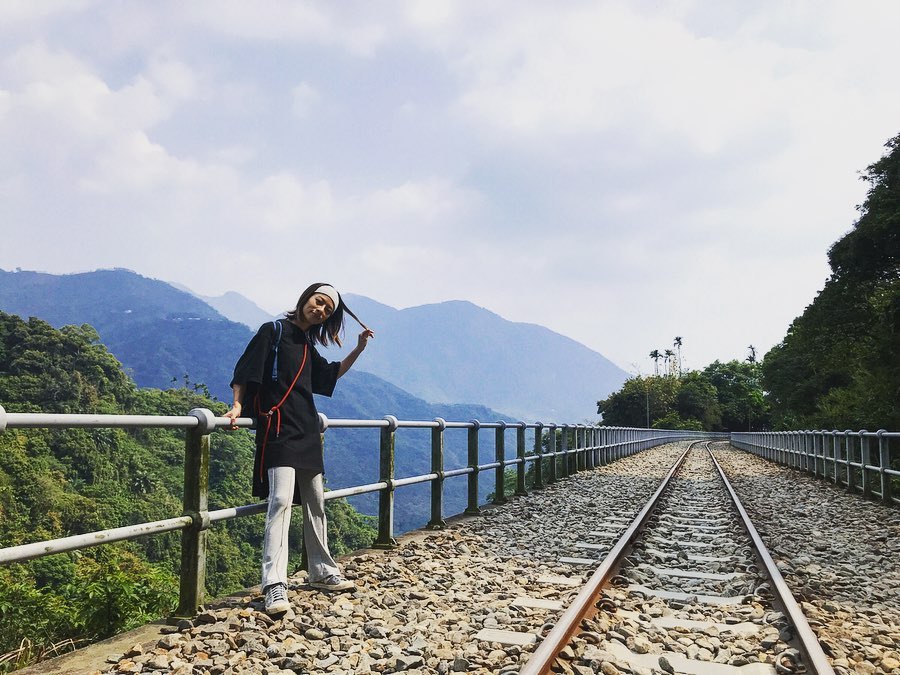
<point x="456" y="351"/>
<point x="452" y="360"/>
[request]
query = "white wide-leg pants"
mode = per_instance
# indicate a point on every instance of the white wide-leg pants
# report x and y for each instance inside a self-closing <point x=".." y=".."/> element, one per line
<point x="278" y="520"/>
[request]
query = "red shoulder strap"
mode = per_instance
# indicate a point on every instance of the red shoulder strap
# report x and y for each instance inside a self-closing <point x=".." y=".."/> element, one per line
<point x="275" y="411"/>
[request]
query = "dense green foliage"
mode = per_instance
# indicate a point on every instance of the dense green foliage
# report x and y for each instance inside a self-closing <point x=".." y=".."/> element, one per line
<point x="60" y="482"/>
<point x="183" y="339"/>
<point x="178" y="333"/>
<point x="838" y="367"/>
<point x="722" y="397"/>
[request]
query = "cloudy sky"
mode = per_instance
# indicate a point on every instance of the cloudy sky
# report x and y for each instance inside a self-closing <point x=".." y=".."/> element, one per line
<point x="620" y="172"/>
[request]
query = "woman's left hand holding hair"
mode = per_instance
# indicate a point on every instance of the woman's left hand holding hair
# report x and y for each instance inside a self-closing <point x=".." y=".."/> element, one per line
<point x="361" y="343"/>
<point x="363" y="338"/>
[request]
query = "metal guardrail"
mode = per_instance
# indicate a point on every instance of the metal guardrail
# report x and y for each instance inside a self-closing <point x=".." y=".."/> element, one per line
<point x="580" y="447"/>
<point x="846" y="458"/>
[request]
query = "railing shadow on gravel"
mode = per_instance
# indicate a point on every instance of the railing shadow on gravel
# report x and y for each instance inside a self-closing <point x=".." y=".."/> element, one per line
<point x="865" y="462"/>
<point x="570" y="448"/>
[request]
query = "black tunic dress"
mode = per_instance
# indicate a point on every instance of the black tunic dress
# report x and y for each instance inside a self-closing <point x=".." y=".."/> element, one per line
<point x="294" y="439"/>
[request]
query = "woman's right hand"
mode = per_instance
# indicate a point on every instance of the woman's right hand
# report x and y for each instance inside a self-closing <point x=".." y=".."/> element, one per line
<point x="233" y="414"/>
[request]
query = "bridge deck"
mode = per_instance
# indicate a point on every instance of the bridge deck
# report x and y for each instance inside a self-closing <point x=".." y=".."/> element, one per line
<point x="475" y="596"/>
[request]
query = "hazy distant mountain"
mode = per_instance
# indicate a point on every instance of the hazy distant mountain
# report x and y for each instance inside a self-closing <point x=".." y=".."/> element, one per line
<point x="159" y="333"/>
<point x="457" y="351"/>
<point x="442" y="353"/>
<point x="234" y="306"/>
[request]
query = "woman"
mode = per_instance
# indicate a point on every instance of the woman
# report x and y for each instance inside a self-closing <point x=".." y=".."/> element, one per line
<point x="274" y="381"/>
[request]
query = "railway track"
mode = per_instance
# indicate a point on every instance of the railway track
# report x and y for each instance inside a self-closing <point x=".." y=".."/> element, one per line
<point x="485" y="595"/>
<point x="690" y="572"/>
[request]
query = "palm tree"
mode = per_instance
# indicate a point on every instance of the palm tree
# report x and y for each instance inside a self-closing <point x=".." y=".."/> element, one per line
<point x="656" y="356"/>
<point x="668" y="357"/>
<point x="677" y="344"/>
<point x="752" y="356"/>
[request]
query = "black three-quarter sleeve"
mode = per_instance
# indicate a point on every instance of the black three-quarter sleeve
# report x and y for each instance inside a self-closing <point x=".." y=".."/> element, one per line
<point x="250" y="368"/>
<point x="324" y="373"/>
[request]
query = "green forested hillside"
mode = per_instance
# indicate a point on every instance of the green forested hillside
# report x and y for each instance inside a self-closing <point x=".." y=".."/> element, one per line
<point x="838" y="367"/>
<point x="165" y="336"/>
<point x="55" y="483"/>
<point x="160" y="333"/>
<point x="721" y="397"/>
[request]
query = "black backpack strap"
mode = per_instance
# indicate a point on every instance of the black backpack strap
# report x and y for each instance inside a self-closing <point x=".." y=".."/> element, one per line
<point x="278" y="328"/>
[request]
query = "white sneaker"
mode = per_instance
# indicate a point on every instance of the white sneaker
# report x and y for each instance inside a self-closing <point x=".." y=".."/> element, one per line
<point x="333" y="582"/>
<point x="276" y="599"/>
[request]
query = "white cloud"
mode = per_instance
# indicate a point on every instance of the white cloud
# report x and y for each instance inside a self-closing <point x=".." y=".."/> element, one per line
<point x="16" y="12"/>
<point x="678" y="168"/>
<point x="287" y="21"/>
<point x="281" y="203"/>
<point x="304" y="98"/>
<point x="414" y="209"/>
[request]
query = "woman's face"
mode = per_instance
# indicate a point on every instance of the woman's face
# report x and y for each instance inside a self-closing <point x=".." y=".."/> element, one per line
<point x="317" y="309"/>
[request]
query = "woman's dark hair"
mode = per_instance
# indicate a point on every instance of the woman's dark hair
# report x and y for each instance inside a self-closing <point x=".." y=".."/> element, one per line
<point x="329" y="331"/>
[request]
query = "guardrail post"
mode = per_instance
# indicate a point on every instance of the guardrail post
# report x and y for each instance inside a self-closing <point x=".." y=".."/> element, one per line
<point x="192" y="589"/>
<point x="580" y="456"/>
<point x="848" y="449"/>
<point x="865" y="456"/>
<point x="500" y="471"/>
<point x="521" y="490"/>
<point x="472" y="507"/>
<point x="807" y="441"/>
<point x="578" y="441"/>
<point x="589" y="447"/>
<point x="564" y="438"/>
<point x="539" y="459"/>
<point x="834" y="456"/>
<point x="590" y="439"/>
<point x="437" y="485"/>
<point x="551" y="450"/>
<point x="815" y="449"/>
<point x="884" y="461"/>
<point x="385" y="538"/>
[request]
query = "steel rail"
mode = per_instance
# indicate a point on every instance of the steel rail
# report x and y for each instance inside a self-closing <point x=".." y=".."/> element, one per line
<point x="815" y="658"/>
<point x="560" y="635"/>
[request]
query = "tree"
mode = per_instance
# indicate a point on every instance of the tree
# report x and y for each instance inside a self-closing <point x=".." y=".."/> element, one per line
<point x="677" y="345"/>
<point x="698" y="400"/>
<point x="56" y="482"/>
<point x="629" y="406"/>
<point x="839" y="366"/>
<point x="656" y="356"/>
<point x="723" y="397"/>
<point x="741" y="401"/>
<point x="674" y="421"/>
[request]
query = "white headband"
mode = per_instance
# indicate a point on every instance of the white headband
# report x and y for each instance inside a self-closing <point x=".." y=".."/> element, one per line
<point x="329" y="291"/>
